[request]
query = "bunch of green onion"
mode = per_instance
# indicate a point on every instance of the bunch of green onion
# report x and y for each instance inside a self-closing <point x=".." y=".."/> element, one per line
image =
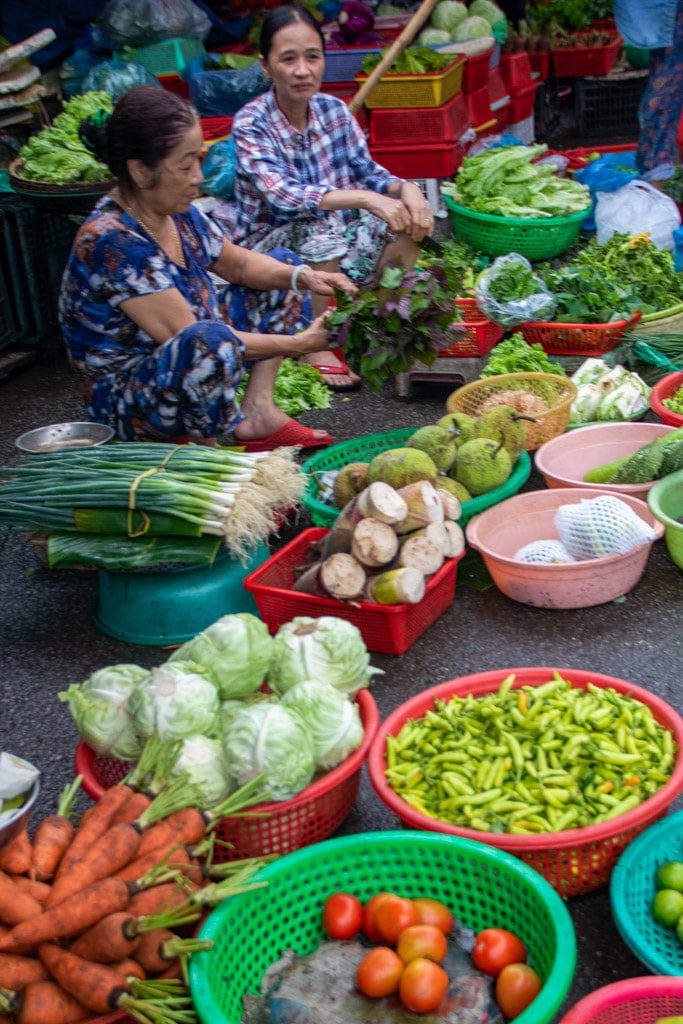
<point x="154" y="489"/>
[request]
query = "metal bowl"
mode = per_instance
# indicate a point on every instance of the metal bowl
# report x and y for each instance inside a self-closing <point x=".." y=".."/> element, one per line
<point x="15" y="824"/>
<point x="61" y="436"/>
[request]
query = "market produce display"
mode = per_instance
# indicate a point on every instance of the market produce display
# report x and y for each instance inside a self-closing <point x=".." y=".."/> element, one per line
<point x="452" y="21"/>
<point x="653" y="461"/>
<point x="533" y="760"/>
<point x="607" y="394"/>
<point x="56" y="154"/>
<point x="667" y="905"/>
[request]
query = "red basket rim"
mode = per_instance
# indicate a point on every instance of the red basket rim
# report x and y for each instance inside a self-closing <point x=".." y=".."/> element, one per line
<point x="555" y="325"/>
<point x="487" y="682"/>
<point x="621" y="992"/>
<point x="362" y="75"/>
<point x="665" y="388"/>
<point x="84" y="758"/>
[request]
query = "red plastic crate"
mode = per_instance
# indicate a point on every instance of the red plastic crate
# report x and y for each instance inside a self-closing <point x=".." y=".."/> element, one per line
<point x="477" y="71"/>
<point x="424" y="124"/>
<point x="516" y="71"/>
<point x="540" y="64"/>
<point x="215" y="127"/>
<point x="584" y="61"/>
<point x="385" y="629"/>
<point x="496" y="86"/>
<point x="176" y="84"/>
<point x="503" y="115"/>
<point x="479" y="107"/>
<point x="435" y="160"/>
<point x="522" y="103"/>
<point x="346" y="91"/>
<point x="482" y="333"/>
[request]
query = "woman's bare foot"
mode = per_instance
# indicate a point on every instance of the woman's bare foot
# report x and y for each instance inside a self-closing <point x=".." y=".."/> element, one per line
<point x="259" y="423"/>
<point x="345" y="380"/>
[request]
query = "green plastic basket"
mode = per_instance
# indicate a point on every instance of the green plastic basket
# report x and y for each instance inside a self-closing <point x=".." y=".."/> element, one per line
<point x="533" y="237"/>
<point x="168" y="57"/>
<point x="363" y="449"/>
<point x="632" y="889"/>
<point x="483" y="887"/>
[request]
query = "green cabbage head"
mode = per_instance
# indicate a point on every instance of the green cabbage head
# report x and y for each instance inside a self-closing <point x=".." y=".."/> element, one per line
<point x="203" y="762"/>
<point x="487" y="10"/>
<point x="266" y="738"/>
<point x="174" y="702"/>
<point x="234" y="654"/>
<point x="448" y="14"/>
<point x="332" y="720"/>
<point x="328" y="649"/>
<point x="100" y="709"/>
<point x="434" y="37"/>
<point x="472" y="28"/>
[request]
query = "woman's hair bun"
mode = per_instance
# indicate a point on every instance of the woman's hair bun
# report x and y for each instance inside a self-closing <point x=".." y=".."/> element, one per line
<point x="93" y="132"/>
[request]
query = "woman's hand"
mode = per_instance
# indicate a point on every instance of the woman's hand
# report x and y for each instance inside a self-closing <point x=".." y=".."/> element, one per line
<point x="393" y="211"/>
<point x="419" y="210"/>
<point x="323" y="282"/>
<point x="315" y="338"/>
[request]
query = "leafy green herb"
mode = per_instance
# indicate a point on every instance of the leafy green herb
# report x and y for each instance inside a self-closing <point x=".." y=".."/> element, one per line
<point x="57" y="155"/>
<point x="513" y="281"/>
<point x="675" y="403"/>
<point x="298" y="387"/>
<point x="415" y="60"/>
<point x="584" y="295"/>
<point x="460" y="262"/>
<point x="514" y="355"/>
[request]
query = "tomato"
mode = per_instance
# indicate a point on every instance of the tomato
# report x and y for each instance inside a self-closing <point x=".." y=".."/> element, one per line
<point x="422" y="940"/>
<point x="392" y="916"/>
<point x="517" y="985"/>
<point x="494" y="948"/>
<point x="342" y="915"/>
<point x="379" y="973"/>
<point x="432" y="912"/>
<point x="423" y="985"/>
<point x="370" y="916"/>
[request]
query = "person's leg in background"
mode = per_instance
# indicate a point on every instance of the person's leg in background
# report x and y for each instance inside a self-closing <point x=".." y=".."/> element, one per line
<point x="660" y="108"/>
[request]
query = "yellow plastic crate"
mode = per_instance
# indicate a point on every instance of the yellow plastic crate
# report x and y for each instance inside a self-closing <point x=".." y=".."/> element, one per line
<point x="398" y="92"/>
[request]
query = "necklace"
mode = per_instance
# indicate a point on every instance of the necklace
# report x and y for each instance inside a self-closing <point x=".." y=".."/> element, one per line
<point x="179" y="255"/>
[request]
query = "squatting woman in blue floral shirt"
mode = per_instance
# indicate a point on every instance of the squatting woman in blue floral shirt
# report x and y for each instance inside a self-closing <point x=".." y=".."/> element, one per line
<point x="162" y="353"/>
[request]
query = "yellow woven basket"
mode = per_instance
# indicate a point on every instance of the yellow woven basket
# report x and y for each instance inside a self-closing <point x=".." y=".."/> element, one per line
<point x="557" y="392"/>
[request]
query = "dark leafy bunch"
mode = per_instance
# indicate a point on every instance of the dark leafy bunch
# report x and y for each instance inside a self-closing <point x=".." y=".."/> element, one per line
<point x="584" y="295"/>
<point x="513" y="281"/>
<point x="386" y="329"/>
<point x="416" y="60"/>
<point x="459" y="261"/>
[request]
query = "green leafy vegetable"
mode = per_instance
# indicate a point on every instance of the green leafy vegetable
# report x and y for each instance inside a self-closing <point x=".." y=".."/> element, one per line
<point x="174" y="702"/>
<point x="57" y="155"/>
<point x="298" y="387"/>
<point x="202" y="761"/>
<point x="585" y="295"/>
<point x="459" y="262"/>
<point x="472" y="28"/>
<point x="100" y="709"/>
<point x="328" y="649"/>
<point x="675" y="403"/>
<point x="331" y="718"/>
<point x="448" y="14"/>
<point x="415" y="60"/>
<point x="233" y="653"/>
<point x="514" y="355"/>
<point x="269" y="739"/>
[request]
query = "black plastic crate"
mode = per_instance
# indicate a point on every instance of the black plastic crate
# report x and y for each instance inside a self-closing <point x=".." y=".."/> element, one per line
<point x="607" y="108"/>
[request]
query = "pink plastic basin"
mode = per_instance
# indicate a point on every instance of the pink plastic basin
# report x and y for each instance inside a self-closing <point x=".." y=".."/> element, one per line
<point x="499" y="532"/>
<point x="635" y="1001"/>
<point x="564" y="460"/>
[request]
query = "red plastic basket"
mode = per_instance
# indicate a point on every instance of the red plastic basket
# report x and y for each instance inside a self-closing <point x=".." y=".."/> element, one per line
<point x="482" y="333"/>
<point x="503" y="115"/>
<point x="310" y="817"/>
<point x="634" y="1001"/>
<point x="497" y="88"/>
<point x="479" y="107"/>
<point x="176" y="84"/>
<point x="424" y="124"/>
<point x="575" y="861"/>
<point x="516" y="71"/>
<point x="560" y="339"/>
<point x="540" y="64"/>
<point x="582" y="61"/>
<point x="387" y="630"/>
<point x="477" y="71"/>
<point x="665" y="388"/>
<point x="215" y="127"/>
<point x="426" y="160"/>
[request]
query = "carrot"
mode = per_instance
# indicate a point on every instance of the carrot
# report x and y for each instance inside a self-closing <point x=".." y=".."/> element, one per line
<point x="15" y="856"/>
<point x="15" y="905"/>
<point x="127" y="969"/>
<point x="136" y="805"/>
<point x="93" y="824"/>
<point x="111" y="852"/>
<point x="159" y="897"/>
<point x="172" y="856"/>
<point x="54" y="834"/>
<point x="16" y="972"/>
<point x="149" y="953"/>
<point x="44" y="1002"/>
<point x="112" y="938"/>
<point x="39" y="890"/>
<point x="183" y="828"/>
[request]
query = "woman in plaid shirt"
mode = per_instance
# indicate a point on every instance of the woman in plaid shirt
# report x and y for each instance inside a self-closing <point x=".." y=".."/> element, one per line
<point x="305" y="177"/>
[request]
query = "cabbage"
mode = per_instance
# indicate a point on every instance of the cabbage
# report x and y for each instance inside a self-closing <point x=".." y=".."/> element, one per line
<point x="486" y="10"/>
<point x="174" y="702"/>
<point x="472" y="28"/>
<point x="448" y="14"/>
<point x="233" y="653"/>
<point x="590" y="372"/>
<point x="328" y="649"/>
<point x="100" y="708"/>
<point x="203" y="762"/>
<point x="332" y="720"/>
<point x="267" y="739"/>
<point x="585" y="405"/>
<point x="622" y="402"/>
<point x="434" y="37"/>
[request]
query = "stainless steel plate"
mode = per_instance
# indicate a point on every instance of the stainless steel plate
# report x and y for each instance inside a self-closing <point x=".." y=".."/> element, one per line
<point x="61" y="436"/>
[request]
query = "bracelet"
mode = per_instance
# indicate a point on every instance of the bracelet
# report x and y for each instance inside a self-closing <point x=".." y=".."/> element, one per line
<point x="295" y="277"/>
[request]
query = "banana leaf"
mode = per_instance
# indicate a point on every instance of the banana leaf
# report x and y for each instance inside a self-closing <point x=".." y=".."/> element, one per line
<point x="103" y="551"/>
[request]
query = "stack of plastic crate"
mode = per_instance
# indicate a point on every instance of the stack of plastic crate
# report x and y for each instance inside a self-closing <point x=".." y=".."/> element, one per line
<point x="475" y="85"/>
<point x="522" y="87"/>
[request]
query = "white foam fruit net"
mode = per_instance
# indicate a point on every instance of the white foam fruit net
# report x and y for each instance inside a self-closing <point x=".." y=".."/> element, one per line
<point x="598" y="527"/>
<point x="543" y="552"/>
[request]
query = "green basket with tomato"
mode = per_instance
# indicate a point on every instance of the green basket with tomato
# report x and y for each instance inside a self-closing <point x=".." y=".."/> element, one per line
<point x="483" y="887"/>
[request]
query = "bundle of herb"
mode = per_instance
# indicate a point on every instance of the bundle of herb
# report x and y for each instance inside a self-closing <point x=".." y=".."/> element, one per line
<point x="415" y="60"/>
<point x="56" y="154"/>
<point x="585" y="296"/>
<point x="460" y="263"/>
<point x="385" y="330"/>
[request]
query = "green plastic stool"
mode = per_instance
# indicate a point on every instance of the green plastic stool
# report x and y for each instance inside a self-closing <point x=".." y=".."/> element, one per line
<point x="173" y="605"/>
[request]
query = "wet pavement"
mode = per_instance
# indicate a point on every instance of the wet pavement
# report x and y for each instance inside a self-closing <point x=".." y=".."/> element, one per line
<point x="48" y="639"/>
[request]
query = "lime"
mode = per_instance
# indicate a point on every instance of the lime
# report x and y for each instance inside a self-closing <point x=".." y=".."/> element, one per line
<point x="667" y="907"/>
<point x="670" y="876"/>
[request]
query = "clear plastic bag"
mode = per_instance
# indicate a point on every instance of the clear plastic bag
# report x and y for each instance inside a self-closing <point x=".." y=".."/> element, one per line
<point x="538" y="304"/>
<point x="219" y="168"/>
<point x="219" y="93"/>
<point x="140" y="23"/>
<point x="116" y="77"/>
<point x="634" y="209"/>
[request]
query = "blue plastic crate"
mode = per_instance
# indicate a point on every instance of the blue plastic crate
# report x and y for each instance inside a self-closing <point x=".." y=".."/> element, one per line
<point x="344" y="65"/>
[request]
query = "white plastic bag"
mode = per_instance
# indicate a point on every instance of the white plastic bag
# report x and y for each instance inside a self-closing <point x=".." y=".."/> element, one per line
<point x="539" y="304"/>
<point x="634" y="209"/>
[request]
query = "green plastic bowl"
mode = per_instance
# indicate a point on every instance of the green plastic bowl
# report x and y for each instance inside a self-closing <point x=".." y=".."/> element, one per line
<point x="482" y="886"/>
<point x="364" y="449"/>
<point x="537" y="238"/>
<point x="665" y="499"/>
<point x="632" y="889"/>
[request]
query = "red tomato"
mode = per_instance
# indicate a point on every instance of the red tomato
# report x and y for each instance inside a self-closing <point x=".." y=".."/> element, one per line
<point x="432" y="912"/>
<point x="370" y="916"/>
<point x="422" y="940"/>
<point x="494" y="948"/>
<point x="517" y="985"/>
<point x="342" y="915"/>
<point x="423" y="985"/>
<point x="392" y="916"/>
<point x="379" y="973"/>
